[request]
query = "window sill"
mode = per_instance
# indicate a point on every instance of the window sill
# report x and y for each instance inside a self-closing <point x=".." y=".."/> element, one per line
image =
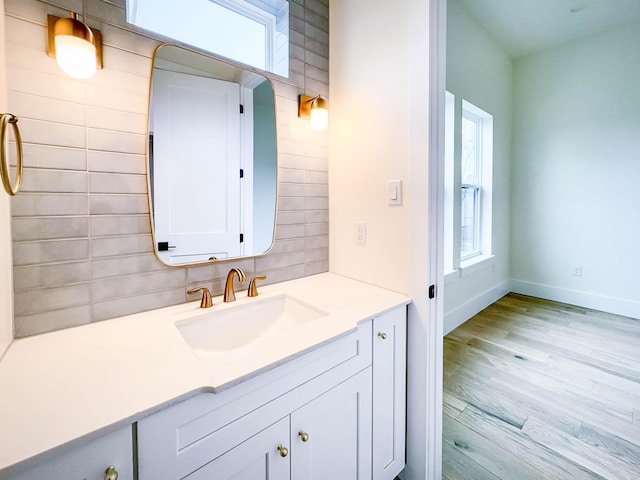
<point x="475" y="264"/>
<point x="450" y="276"/>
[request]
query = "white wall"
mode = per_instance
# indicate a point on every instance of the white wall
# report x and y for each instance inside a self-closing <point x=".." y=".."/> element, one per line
<point x="379" y="131"/>
<point x="576" y="171"/>
<point x="368" y="145"/>
<point x="480" y="72"/>
<point x="6" y="288"/>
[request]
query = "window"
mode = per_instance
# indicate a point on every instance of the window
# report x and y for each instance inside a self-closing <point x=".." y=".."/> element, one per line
<point x="471" y="185"/>
<point x="252" y="32"/>
<point x="468" y="183"/>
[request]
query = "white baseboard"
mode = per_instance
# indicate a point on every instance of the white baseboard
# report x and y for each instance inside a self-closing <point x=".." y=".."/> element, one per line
<point x="617" y="306"/>
<point x="464" y="312"/>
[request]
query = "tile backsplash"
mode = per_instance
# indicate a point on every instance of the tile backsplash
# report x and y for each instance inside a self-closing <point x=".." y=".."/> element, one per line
<point x="82" y="247"/>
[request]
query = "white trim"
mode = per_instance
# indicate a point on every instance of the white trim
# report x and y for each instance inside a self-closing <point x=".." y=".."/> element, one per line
<point x="435" y="355"/>
<point x="617" y="306"/>
<point x="464" y="312"/>
<point x="426" y="180"/>
<point x="476" y="263"/>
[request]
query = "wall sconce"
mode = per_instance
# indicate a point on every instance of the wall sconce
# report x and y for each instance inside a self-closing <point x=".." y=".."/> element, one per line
<point x="315" y="109"/>
<point x="76" y="47"/>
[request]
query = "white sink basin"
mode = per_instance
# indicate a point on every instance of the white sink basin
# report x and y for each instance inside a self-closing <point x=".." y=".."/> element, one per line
<point x="237" y="326"/>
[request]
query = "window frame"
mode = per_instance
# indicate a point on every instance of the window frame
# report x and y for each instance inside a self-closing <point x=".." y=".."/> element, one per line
<point x="455" y="258"/>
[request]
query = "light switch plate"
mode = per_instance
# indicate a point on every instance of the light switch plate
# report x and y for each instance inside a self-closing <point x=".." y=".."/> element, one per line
<point x="394" y="192"/>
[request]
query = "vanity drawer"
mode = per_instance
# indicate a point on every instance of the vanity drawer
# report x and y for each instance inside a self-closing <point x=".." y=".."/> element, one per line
<point x="86" y="461"/>
<point x="178" y="440"/>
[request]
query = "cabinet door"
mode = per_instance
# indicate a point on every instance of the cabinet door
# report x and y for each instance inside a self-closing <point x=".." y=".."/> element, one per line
<point x="337" y="430"/>
<point x="389" y="393"/>
<point x="257" y="458"/>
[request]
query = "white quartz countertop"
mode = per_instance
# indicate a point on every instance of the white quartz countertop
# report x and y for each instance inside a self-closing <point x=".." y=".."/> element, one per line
<point x="60" y="386"/>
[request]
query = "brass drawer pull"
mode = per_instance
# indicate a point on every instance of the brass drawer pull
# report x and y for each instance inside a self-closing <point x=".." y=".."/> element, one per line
<point x="382" y="335"/>
<point x="304" y="436"/>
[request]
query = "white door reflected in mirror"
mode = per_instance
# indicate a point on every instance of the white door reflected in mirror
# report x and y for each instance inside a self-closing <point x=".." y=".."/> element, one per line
<point x="207" y="170"/>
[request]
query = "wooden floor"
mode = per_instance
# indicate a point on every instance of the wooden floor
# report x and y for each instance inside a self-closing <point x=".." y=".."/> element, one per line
<point x="535" y="389"/>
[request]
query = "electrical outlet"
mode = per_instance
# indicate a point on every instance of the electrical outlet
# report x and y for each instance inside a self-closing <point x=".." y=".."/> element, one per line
<point x="577" y="271"/>
<point x="361" y="233"/>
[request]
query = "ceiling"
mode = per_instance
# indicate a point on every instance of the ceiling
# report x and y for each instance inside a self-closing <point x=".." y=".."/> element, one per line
<point x="523" y="27"/>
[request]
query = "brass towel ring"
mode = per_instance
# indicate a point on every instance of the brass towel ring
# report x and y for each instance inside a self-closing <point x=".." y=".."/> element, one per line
<point x="5" y="120"/>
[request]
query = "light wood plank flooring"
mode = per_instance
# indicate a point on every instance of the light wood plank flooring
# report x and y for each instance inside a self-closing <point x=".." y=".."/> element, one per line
<point x="535" y="389"/>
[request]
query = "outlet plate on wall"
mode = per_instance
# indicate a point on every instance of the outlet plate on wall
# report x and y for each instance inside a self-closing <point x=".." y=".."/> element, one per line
<point x="361" y="233"/>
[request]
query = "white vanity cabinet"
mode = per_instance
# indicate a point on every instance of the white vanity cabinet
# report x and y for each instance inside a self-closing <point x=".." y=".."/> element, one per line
<point x="88" y="461"/>
<point x="315" y="422"/>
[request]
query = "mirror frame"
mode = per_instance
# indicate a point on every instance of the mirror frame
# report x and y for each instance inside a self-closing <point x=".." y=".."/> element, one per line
<point x="147" y="154"/>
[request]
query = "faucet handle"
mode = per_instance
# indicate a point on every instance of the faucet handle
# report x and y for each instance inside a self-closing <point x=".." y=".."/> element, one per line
<point x="253" y="289"/>
<point x="206" y="301"/>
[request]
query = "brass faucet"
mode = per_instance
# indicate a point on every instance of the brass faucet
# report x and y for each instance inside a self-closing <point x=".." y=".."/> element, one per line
<point x="206" y="301"/>
<point x="229" y="293"/>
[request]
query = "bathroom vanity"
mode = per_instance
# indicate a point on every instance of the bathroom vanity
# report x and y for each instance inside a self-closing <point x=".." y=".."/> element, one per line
<point x="314" y="400"/>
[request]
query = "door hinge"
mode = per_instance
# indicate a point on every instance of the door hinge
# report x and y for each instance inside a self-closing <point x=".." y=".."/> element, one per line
<point x="432" y="292"/>
<point x="241" y="237"/>
<point x="241" y="108"/>
<point x="242" y="173"/>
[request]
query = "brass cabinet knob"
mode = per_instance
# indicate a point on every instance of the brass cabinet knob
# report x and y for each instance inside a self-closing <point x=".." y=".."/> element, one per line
<point x="284" y="451"/>
<point x="111" y="473"/>
<point x="382" y="335"/>
<point x="304" y="436"/>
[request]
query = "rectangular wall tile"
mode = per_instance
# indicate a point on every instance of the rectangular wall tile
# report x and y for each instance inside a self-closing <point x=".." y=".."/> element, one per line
<point x="116" y="246"/>
<point x="61" y="181"/>
<point x="118" y="204"/>
<point x="138" y="303"/>
<point x="131" y="285"/>
<point x="38" y="253"/>
<point x="117" y="183"/>
<point x="269" y="262"/>
<point x="49" y="228"/>
<point x="49" y="275"/>
<point x="125" y="265"/>
<point x="108" y="225"/>
<point x="117" y="162"/>
<point x="54" y="298"/>
<point x="33" y="204"/>
<point x="47" y="156"/>
<point x="52" y="320"/>
<point x="112" y="141"/>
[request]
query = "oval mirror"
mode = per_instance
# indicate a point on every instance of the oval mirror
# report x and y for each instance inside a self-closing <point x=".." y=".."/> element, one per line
<point x="212" y="159"/>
